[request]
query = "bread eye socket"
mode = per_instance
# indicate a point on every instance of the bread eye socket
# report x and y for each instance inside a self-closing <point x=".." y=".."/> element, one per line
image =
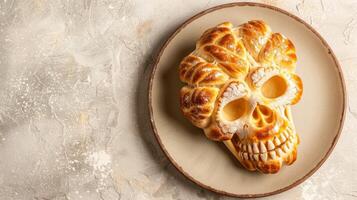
<point x="274" y="87"/>
<point x="235" y="109"/>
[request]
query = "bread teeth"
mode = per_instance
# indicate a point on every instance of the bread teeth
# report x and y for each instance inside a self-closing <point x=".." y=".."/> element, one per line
<point x="291" y="137"/>
<point x="277" y="141"/>
<point x="272" y="154"/>
<point x="263" y="149"/>
<point x="251" y="157"/>
<point x="282" y="138"/>
<point x="279" y="152"/>
<point x="264" y="156"/>
<point x="256" y="157"/>
<point x="285" y="148"/>
<point x="289" y="144"/>
<point x="286" y="133"/>
<point x="250" y="148"/>
<point x="255" y="148"/>
<point x="240" y="154"/>
<point x="244" y="147"/>
<point x="271" y="145"/>
<point x="245" y="155"/>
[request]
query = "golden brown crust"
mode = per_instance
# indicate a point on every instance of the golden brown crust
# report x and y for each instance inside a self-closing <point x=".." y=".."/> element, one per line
<point x="269" y="166"/>
<point x="213" y="132"/>
<point x="197" y="104"/>
<point x="299" y="84"/>
<point x="220" y="44"/>
<point x="254" y="35"/>
<point x="291" y="158"/>
<point x="229" y="68"/>
<point x="279" y="50"/>
<point x="249" y="165"/>
<point x="229" y="62"/>
<point x="213" y="34"/>
<point x="196" y="71"/>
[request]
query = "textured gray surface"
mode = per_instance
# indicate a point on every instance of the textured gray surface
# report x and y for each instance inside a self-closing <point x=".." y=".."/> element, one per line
<point x="73" y="115"/>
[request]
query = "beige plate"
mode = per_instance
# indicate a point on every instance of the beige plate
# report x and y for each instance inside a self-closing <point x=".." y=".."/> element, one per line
<point x="318" y="116"/>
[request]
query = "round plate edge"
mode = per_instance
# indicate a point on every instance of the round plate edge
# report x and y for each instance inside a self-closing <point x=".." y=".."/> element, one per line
<point x="178" y="167"/>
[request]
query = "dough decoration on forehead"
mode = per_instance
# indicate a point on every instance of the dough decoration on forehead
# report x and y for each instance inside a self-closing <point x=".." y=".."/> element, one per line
<point x="241" y="83"/>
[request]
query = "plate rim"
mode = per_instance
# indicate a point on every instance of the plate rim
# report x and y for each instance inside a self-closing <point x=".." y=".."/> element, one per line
<point x="157" y="59"/>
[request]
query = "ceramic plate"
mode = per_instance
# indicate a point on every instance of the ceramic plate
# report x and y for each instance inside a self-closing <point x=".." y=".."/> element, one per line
<point x="318" y="116"/>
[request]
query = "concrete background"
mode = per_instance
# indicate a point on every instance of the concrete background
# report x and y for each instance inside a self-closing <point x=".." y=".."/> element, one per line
<point x="73" y="82"/>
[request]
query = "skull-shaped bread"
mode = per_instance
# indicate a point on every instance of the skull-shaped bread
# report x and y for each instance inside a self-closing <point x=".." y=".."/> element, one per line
<point x="240" y="85"/>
